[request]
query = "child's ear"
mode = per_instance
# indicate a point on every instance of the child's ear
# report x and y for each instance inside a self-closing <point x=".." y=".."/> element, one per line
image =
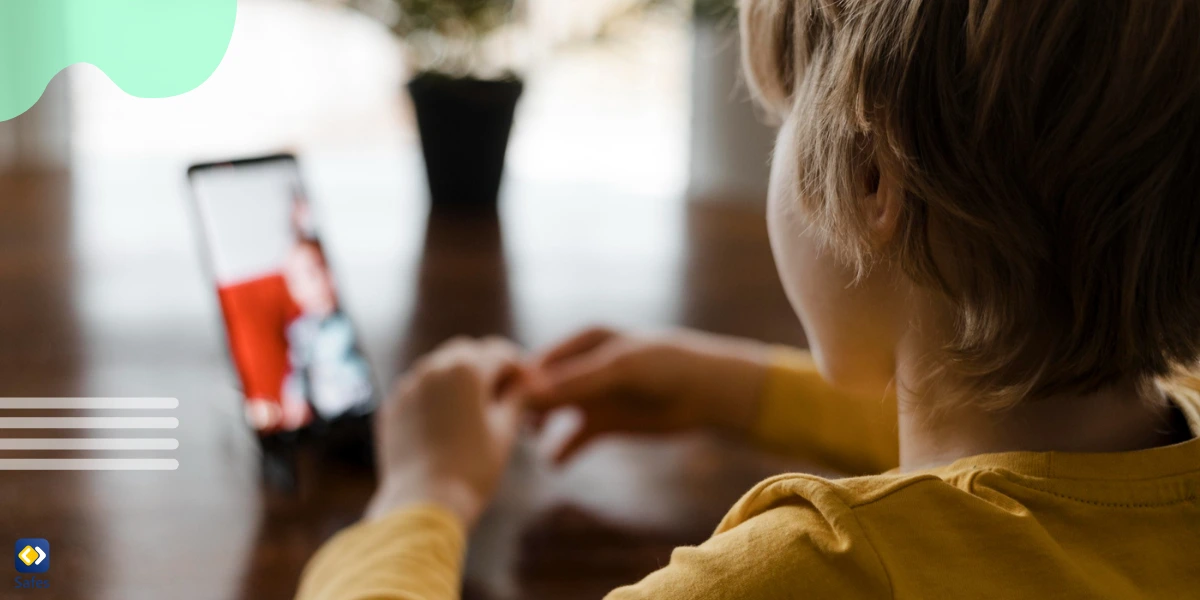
<point x="883" y="209"/>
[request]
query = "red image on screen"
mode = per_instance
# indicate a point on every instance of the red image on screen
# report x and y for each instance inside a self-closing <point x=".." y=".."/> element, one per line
<point x="294" y="348"/>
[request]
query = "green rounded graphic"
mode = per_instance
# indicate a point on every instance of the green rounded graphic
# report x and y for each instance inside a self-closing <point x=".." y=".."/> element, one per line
<point x="149" y="48"/>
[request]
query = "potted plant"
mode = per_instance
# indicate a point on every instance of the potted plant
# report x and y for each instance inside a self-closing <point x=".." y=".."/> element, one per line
<point x="465" y="90"/>
<point x="719" y="10"/>
<point x="464" y="94"/>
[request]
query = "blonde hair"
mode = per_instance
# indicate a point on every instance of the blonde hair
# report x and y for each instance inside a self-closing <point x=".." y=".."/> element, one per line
<point x="1055" y="146"/>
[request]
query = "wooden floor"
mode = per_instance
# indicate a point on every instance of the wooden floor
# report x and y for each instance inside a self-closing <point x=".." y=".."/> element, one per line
<point x="102" y="294"/>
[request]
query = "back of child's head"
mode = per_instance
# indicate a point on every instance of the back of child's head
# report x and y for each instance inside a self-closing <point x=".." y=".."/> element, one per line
<point x="1050" y="148"/>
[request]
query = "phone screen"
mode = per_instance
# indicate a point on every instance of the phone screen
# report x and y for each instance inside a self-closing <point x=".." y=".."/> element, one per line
<point x="295" y="350"/>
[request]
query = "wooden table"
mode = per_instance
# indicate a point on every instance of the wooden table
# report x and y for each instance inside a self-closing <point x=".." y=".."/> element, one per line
<point x="102" y="294"/>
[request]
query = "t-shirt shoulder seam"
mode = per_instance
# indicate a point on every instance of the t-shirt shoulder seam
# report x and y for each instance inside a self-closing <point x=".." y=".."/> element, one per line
<point x="885" y="488"/>
<point x="839" y="492"/>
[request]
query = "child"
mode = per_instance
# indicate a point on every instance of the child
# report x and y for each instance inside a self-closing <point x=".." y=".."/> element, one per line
<point x="985" y="215"/>
<point x="326" y="367"/>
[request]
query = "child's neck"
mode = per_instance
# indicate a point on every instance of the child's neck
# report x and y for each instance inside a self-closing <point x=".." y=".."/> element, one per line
<point x="1121" y="418"/>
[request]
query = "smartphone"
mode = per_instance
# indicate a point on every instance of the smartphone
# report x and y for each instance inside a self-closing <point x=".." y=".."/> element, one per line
<point x="294" y="348"/>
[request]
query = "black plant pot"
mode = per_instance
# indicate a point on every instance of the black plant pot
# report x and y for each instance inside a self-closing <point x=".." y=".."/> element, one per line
<point x="465" y="125"/>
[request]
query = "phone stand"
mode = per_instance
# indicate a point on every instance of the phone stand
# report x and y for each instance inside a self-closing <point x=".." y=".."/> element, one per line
<point x="279" y="462"/>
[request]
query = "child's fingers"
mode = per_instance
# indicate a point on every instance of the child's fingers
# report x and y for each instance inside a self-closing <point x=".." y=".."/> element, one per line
<point x="583" y="342"/>
<point x="537" y="419"/>
<point x="515" y="379"/>
<point x="595" y="423"/>
<point x="605" y="420"/>
<point x="504" y="419"/>
<point x="574" y="444"/>
<point x="575" y="382"/>
<point x="493" y="360"/>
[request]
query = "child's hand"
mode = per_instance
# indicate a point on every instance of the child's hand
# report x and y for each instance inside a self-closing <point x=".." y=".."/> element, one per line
<point x="649" y="385"/>
<point x="446" y="434"/>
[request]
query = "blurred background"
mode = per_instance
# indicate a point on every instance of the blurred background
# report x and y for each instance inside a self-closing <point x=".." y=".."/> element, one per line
<point x="634" y="171"/>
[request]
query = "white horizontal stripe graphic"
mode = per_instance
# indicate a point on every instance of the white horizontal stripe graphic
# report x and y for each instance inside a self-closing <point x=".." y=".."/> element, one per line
<point x="88" y="464"/>
<point x="89" y="423"/>
<point x="88" y="403"/>
<point x="89" y="444"/>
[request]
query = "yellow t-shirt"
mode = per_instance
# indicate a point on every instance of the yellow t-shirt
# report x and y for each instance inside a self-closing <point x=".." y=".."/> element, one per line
<point x="1013" y="525"/>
